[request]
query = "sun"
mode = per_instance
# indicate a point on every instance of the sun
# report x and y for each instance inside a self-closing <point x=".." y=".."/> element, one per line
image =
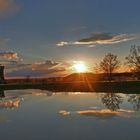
<point x="80" y="67"/>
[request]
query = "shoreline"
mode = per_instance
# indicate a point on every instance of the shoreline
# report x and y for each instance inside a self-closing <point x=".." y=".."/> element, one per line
<point x="81" y="86"/>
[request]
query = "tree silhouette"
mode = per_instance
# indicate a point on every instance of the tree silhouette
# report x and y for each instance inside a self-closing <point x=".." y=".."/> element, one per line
<point x="133" y="60"/>
<point x="109" y="64"/>
<point x="112" y="101"/>
<point x="135" y="101"/>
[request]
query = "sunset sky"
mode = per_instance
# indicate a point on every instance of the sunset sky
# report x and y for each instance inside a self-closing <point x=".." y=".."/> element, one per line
<point x="45" y="37"/>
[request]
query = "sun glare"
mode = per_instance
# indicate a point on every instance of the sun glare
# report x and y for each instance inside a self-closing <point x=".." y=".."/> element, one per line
<point x="80" y="67"/>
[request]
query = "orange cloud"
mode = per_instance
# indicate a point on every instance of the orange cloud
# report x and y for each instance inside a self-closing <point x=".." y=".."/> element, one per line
<point x="8" y="7"/>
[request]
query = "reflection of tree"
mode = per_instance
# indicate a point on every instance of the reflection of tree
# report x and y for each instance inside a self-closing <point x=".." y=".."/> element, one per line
<point x="2" y="95"/>
<point x="112" y="101"/>
<point x="49" y="93"/>
<point x="135" y="101"/>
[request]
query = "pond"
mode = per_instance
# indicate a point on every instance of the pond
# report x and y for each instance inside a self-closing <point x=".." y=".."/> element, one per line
<point x="44" y="115"/>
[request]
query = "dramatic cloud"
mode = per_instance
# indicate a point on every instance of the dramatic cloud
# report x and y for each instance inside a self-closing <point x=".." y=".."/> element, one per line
<point x="41" y="69"/>
<point x="99" y="39"/>
<point x="8" y="7"/>
<point x="8" y="55"/>
<point x="44" y="65"/>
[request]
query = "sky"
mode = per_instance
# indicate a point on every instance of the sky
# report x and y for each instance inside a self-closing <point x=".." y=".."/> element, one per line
<point x="41" y="37"/>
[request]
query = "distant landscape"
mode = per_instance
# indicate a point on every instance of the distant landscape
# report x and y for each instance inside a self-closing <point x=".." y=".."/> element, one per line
<point x="78" y="82"/>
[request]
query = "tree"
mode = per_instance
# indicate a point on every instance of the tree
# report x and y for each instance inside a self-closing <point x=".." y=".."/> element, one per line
<point x="133" y="60"/>
<point x="109" y="64"/>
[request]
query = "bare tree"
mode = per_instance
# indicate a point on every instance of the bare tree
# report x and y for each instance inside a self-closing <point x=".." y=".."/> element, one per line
<point x="133" y="60"/>
<point x="96" y="68"/>
<point x="109" y="64"/>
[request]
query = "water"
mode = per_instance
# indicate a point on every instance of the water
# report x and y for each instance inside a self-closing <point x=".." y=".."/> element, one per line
<point x="43" y="115"/>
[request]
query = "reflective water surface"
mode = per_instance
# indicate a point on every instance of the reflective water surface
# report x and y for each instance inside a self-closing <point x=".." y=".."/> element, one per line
<point x="44" y="115"/>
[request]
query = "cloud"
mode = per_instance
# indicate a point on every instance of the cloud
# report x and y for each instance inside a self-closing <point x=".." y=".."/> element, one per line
<point x="8" y="7"/>
<point x="13" y="65"/>
<point x="99" y="39"/>
<point x="44" y="65"/>
<point x="8" y="55"/>
<point x="40" y="69"/>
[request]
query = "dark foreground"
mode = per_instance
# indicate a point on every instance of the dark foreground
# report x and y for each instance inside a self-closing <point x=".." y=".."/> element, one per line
<point x="119" y="87"/>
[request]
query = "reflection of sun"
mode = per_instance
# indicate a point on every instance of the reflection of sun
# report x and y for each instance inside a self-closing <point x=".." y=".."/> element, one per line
<point x="80" y="67"/>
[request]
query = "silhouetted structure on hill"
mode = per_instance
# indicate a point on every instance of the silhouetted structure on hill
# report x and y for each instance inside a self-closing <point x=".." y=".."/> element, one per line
<point x="1" y="74"/>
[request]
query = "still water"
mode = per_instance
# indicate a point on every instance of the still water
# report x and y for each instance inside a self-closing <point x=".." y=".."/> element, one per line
<point x="44" y="115"/>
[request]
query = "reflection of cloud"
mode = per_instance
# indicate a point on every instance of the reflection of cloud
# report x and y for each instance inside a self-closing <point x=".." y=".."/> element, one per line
<point x="64" y="112"/>
<point x="101" y="113"/>
<point x="105" y="113"/>
<point x="8" y="7"/>
<point x="8" y="55"/>
<point x="39" y="94"/>
<point x="42" y="93"/>
<point x="99" y="39"/>
<point x="10" y="103"/>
